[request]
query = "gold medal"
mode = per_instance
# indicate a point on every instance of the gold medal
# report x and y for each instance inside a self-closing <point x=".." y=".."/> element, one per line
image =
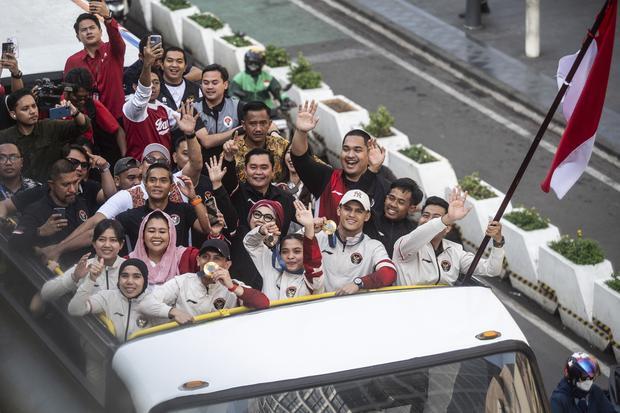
<point x="210" y="268"/>
<point x="329" y="227"/>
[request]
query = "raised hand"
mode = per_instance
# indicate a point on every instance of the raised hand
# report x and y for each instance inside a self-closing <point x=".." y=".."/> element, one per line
<point x="222" y="276"/>
<point x="95" y="269"/>
<point x="231" y="148"/>
<point x="187" y="122"/>
<point x="97" y="161"/>
<point x="303" y="214"/>
<point x="376" y="155"/>
<point x="188" y="189"/>
<point x="81" y="269"/>
<point x="494" y="230"/>
<point x="306" y="119"/>
<point x="270" y="228"/>
<point x="53" y="224"/>
<point x="218" y="227"/>
<point x="216" y="172"/>
<point x="151" y="54"/>
<point x="100" y="8"/>
<point x="10" y="62"/>
<point x="457" y="209"/>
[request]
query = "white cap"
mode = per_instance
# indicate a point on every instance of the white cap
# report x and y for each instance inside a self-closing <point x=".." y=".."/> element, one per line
<point x="156" y="147"/>
<point x="356" y="195"/>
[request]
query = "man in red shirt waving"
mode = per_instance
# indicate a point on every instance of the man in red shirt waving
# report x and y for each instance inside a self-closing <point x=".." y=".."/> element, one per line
<point x="103" y="60"/>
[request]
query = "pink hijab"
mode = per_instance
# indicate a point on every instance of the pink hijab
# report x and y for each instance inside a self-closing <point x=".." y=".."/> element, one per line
<point x="168" y="266"/>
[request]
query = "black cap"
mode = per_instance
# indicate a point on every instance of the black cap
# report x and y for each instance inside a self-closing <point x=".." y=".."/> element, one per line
<point x="219" y="245"/>
<point x="125" y="164"/>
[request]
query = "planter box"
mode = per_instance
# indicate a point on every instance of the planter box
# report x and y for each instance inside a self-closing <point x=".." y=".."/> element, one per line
<point x="605" y="309"/>
<point x="574" y="287"/>
<point x="522" y="250"/>
<point x="433" y="177"/>
<point x="474" y="225"/>
<point x="169" y="23"/>
<point x="231" y="57"/>
<point x="140" y="12"/>
<point x="280" y="73"/>
<point x="334" y="125"/>
<point x="199" y="40"/>
<point x="299" y="96"/>
<point x="397" y="141"/>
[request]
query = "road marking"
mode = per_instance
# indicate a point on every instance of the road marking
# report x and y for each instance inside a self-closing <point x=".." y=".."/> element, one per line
<point x="545" y="327"/>
<point x="346" y="54"/>
<point x="520" y="131"/>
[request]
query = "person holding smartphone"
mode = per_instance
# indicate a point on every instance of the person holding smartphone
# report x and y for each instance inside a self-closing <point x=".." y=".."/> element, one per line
<point x="52" y="218"/>
<point x="105" y="61"/>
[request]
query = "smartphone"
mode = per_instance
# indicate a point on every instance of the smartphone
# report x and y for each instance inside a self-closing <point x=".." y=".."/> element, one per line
<point x="60" y="211"/>
<point x="211" y="209"/>
<point x="8" y="47"/>
<point x="154" y="40"/>
<point x="60" y="112"/>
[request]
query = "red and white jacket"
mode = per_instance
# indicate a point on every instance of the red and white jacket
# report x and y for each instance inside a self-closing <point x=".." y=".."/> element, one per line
<point x="146" y="122"/>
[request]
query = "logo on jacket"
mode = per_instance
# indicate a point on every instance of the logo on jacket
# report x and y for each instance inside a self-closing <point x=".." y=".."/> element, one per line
<point x="356" y="258"/>
<point x="141" y="322"/>
<point x="445" y="265"/>
<point x="290" y="292"/>
<point x="228" y="121"/>
<point x="82" y="214"/>
<point x="162" y="126"/>
<point x="175" y="219"/>
<point x="219" y="303"/>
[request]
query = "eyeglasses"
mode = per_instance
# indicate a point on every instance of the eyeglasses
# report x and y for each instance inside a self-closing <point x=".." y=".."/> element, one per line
<point x="151" y="160"/>
<point x="12" y="158"/>
<point x="76" y="163"/>
<point x="265" y="217"/>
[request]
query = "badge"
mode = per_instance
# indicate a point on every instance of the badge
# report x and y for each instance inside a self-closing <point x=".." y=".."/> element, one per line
<point x="175" y="219"/>
<point x="219" y="303"/>
<point x="445" y="265"/>
<point x="228" y="121"/>
<point x="290" y="292"/>
<point x="356" y="258"/>
<point x="82" y="215"/>
<point x="141" y="322"/>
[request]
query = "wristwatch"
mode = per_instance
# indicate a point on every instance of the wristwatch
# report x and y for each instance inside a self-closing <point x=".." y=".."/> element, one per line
<point x="359" y="282"/>
<point x="499" y="244"/>
<point x="18" y="75"/>
<point x="105" y="167"/>
<point x="192" y="136"/>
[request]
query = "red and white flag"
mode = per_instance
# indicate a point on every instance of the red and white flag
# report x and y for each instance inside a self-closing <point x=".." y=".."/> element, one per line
<point x="582" y="106"/>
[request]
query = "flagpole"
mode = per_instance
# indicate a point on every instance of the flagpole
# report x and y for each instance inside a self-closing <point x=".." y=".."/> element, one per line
<point x="538" y="138"/>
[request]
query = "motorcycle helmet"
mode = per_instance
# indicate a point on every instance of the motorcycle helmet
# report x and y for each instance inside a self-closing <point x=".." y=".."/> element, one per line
<point x="581" y="367"/>
<point x="254" y="60"/>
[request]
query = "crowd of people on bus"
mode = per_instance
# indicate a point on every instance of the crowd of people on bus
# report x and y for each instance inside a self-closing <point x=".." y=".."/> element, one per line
<point x="163" y="191"/>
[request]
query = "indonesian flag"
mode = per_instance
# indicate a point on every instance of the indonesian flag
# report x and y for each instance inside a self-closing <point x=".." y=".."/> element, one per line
<point x="582" y="106"/>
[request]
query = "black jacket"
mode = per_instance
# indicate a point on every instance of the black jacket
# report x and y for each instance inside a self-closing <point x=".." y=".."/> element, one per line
<point x="387" y="231"/>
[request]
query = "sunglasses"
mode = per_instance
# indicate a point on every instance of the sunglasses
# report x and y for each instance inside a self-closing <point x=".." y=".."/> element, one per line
<point x="77" y="163"/>
<point x="151" y="160"/>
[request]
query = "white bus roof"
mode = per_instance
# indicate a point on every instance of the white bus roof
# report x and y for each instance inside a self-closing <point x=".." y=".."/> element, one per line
<point x="310" y="339"/>
<point x="45" y="35"/>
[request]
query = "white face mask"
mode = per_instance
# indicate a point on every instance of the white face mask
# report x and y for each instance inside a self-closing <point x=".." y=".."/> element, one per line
<point x="585" y="385"/>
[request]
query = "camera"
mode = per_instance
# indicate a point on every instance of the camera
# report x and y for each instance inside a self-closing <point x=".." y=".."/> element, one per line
<point x="49" y="93"/>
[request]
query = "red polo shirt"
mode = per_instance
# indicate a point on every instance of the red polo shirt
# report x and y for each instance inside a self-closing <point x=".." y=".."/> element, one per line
<point x="106" y="68"/>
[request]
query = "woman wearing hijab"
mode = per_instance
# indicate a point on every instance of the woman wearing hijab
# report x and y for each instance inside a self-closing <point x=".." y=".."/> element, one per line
<point x="120" y="306"/>
<point x="156" y="246"/>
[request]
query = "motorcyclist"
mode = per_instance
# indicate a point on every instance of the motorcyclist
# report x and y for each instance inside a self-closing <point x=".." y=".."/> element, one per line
<point x="256" y="84"/>
<point x="576" y="392"/>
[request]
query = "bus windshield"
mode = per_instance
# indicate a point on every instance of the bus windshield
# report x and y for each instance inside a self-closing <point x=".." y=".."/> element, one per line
<point x="497" y="383"/>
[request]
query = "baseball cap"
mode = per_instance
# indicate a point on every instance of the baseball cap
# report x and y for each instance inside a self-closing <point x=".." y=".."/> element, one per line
<point x="156" y="147"/>
<point x="125" y="164"/>
<point x="356" y="195"/>
<point x="217" y="244"/>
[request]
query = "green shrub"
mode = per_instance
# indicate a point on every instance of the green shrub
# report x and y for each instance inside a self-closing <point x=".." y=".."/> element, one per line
<point x="418" y="153"/>
<point x="208" y="21"/>
<point x="302" y="75"/>
<point x="176" y="4"/>
<point x="528" y="219"/>
<point x="238" y="40"/>
<point x="276" y="56"/>
<point x="380" y="123"/>
<point x="475" y="189"/>
<point x="614" y="283"/>
<point x="579" y="250"/>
